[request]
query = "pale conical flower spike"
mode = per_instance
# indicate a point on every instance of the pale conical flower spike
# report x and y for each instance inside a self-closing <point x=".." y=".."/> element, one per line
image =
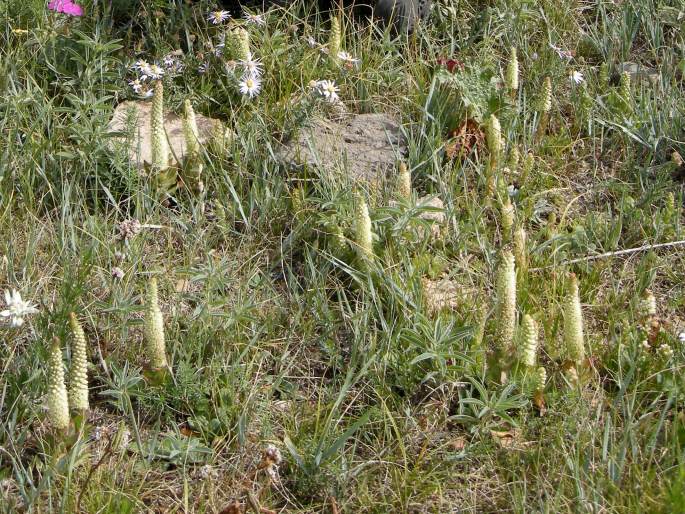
<point x="494" y="137"/>
<point x="78" y="378"/>
<point x="154" y="329"/>
<point x="647" y="305"/>
<point x="546" y="97"/>
<point x="539" y="379"/>
<point x="404" y="182"/>
<point x="507" y="219"/>
<point x="477" y="347"/>
<point x="158" y="140"/>
<point x="191" y="135"/>
<point x="334" y="39"/>
<point x="512" y="73"/>
<point x="506" y="303"/>
<point x="514" y="158"/>
<point x="363" y="233"/>
<point x="527" y="167"/>
<point x="529" y="341"/>
<point x="573" y="323"/>
<point x="58" y="403"/>
<point x="521" y="250"/>
<point x="624" y="87"/>
<point x="240" y="44"/>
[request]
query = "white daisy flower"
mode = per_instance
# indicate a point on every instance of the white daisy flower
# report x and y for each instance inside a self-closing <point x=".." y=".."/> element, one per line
<point x="148" y="93"/>
<point x="218" y="17"/>
<point x="141" y="65"/>
<point x="153" y="71"/>
<point x="577" y="77"/>
<point x="347" y="58"/>
<point x="681" y="337"/>
<point x="252" y="67"/>
<point x="328" y="90"/>
<point x="136" y="85"/>
<point x="17" y="309"/>
<point x="250" y="86"/>
<point x="255" y="19"/>
<point x="203" y="67"/>
<point x="311" y="42"/>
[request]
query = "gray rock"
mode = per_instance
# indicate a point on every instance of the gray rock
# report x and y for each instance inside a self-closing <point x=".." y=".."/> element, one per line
<point x="402" y="14"/>
<point x="132" y="119"/>
<point x="639" y="73"/>
<point x="365" y="147"/>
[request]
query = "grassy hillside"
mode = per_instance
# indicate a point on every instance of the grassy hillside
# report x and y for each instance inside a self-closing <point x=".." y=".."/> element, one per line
<point x="265" y="339"/>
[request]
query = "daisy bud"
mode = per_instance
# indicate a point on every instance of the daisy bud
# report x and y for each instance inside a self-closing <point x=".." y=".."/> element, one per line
<point x="539" y="379"/>
<point x="58" y="403"/>
<point x="546" y="97"/>
<point x="78" y="378"/>
<point x="191" y="135"/>
<point x="507" y="219"/>
<point x="520" y="250"/>
<point x="362" y="227"/>
<point x="512" y="73"/>
<point x="334" y="39"/>
<point x="529" y="341"/>
<point x="494" y="137"/>
<point x="404" y="182"/>
<point x="573" y="323"/>
<point x="159" y="143"/>
<point x="647" y="305"/>
<point x="154" y="329"/>
<point x="506" y="302"/>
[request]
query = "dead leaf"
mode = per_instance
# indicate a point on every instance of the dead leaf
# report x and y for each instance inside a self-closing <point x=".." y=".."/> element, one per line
<point x="457" y="444"/>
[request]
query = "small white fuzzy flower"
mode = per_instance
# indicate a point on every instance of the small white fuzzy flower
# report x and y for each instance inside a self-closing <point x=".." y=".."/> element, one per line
<point x="577" y="77"/>
<point x="328" y="90"/>
<point x="645" y="345"/>
<point x="563" y="54"/>
<point x="666" y="351"/>
<point x="681" y="337"/>
<point x="255" y="19"/>
<point x="311" y="42"/>
<point x="148" y="93"/>
<point x="218" y="17"/>
<point x="17" y="309"/>
<point x="169" y="61"/>
<point x="251" y="67"/>
<point x="348" y="59"/>
<point x="136" y="85"/>
<point x="117" y="273"/>
<point x="250" y="86"/>
<point x="203" y="67"/>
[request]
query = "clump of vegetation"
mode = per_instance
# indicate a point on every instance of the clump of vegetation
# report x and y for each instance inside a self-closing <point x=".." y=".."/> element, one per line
<point x="496" y="325"/>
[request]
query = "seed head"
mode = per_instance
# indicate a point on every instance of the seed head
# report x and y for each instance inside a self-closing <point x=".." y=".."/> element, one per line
<point x="363" y="233"/>
<point x="78" y="379"/>
<point x="154" y="329"/>
<point x="506" y="302"/>
<point x="159" y="143"/>
<point x="512" y="74"/>
<point x="546" y="97"/>
<point x="57" y="399"/>
<point x="573" y="323"/>
<point x="529" y="341"/>
<point x="404" y="182"/>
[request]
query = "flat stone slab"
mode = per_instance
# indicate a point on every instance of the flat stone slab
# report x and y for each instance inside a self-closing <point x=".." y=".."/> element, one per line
<point x="365" y="147"/>
<point x="132" y="119"/>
